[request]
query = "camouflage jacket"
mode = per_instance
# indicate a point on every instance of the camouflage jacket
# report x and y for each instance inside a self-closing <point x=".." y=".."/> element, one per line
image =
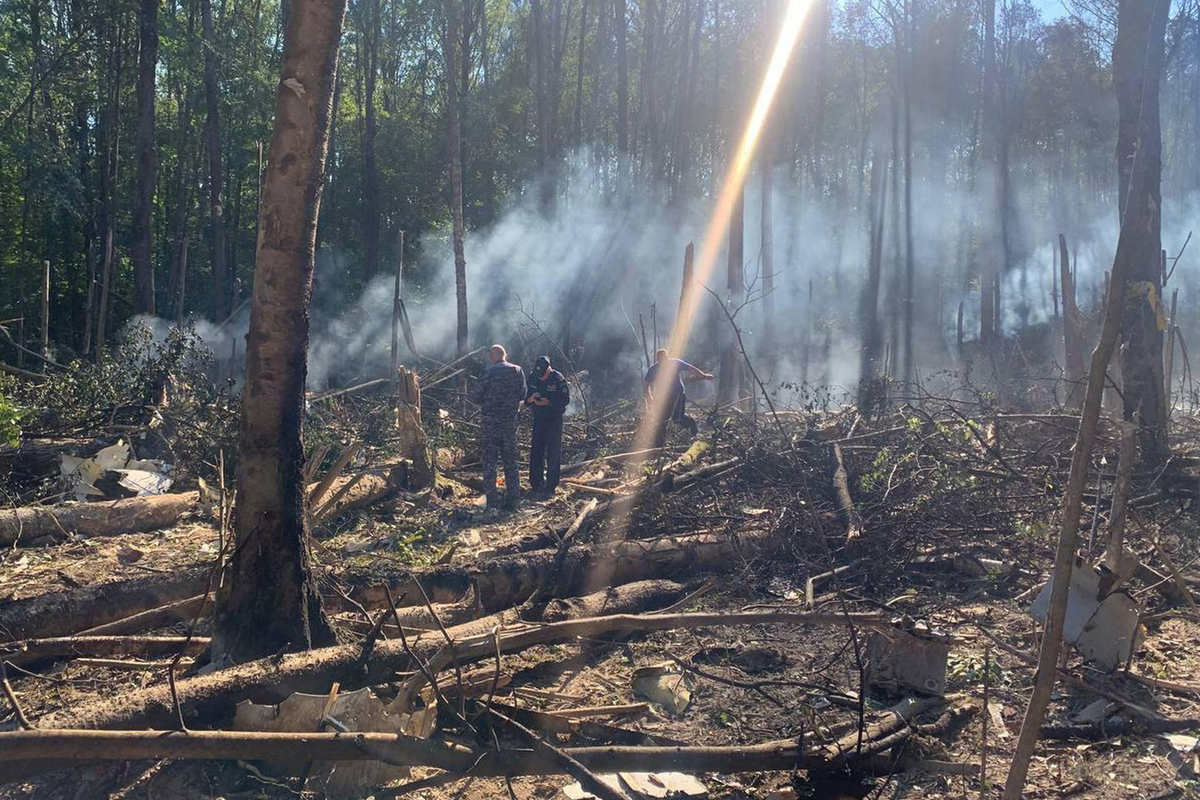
<point x="499" y="392"/>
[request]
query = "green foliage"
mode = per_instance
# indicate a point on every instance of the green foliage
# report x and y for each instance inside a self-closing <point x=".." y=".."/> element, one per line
<point x="966" y="670"/>
<point x="10" y="418"/>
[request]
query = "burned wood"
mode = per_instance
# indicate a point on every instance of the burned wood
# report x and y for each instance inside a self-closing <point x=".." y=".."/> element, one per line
<point x="30" y="650"/>
<point x="62" y="613"/>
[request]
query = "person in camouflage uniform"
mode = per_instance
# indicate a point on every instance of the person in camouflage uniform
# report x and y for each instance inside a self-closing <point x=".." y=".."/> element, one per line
<point x="499" y="392"/>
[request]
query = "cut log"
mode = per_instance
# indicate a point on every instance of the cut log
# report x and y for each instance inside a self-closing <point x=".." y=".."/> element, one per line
<point x="64" y="613"/>
<point x="108" y="518"/>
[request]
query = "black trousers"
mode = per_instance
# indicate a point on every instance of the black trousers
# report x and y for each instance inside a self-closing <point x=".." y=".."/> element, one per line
<point x="545" y="452"/>
<point x="675" y="413"/>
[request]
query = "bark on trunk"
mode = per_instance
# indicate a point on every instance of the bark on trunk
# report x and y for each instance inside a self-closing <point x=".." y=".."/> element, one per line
<point x="65" y="613"/>
<point x="729" y="385"/>
<point x="990" y="253"/>
<point x="1072" y="328"/>
<point x="370" y="46"/>
<point x="868" y="389"/>
<point x="147" y="160"/>
<point x="449" y="47"/>
<point x="212" y="134"/>
<point x="268" y="601"/>
<point x="1139" y="149"/>
<point x="622" y="14"/>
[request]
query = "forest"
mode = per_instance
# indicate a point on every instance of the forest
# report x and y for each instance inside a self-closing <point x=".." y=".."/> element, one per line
<point x="599" y="398"/>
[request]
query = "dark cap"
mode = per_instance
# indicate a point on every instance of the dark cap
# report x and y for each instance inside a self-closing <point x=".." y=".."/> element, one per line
<point x="542" y="363"/>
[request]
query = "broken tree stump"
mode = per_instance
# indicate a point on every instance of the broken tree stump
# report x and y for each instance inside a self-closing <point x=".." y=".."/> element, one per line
<point x="413" y="444"/>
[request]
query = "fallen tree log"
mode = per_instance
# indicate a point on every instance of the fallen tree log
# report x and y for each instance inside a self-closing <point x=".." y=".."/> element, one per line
<point x="46" y="749"/>
<point x="29" y="524"/>
<point x="501" y="583"/>
<point x="181" y="611"/>
<point x="508" y="581"/>
<point x="106" y="518"/>
<point x="640" y="594"/>
<point x="100" y="646"/>
<point x="74" y="745"/>
<point x="64" y="613"/>
<point x="212" y="696"/>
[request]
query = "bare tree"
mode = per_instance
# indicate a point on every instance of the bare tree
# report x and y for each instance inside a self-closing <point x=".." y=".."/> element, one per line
<point x="268" y="601"/>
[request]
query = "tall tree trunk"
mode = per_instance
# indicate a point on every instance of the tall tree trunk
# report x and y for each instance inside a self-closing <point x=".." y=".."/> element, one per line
<point x="369" y="22"/>
<point x="111" y="127"/>
<point x="212" y="130"/>
<point x="1137" y="67"/>
<point x="910" y="366"/>
<point x="622" y="14"/>
<point x="989" y="255"/>
<point x="729" y="385"/>
<point x="268" y="601"/>
<point x="766" y="165"/>
<point x="147" y="160"/>
<point x="1072" y="329"/>
<point x="579" y="65"/>
<point x="1140" y="44"/>
<point x="184" y="183"/>
<point x="87" y="217"/>
<point x="869" y="307"/>
<point x="454" y="145"/>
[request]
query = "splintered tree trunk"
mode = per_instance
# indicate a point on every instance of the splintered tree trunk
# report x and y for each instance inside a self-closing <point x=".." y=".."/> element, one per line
<point x="212" y="130"/>
<point x="455" y="145"/>
<point x="1139" y="147"/>
<point x="147" y="159"/>
<point x="1137" y="65"/>
<point x="268" y="601"/>
<point x="1072" y="328"/>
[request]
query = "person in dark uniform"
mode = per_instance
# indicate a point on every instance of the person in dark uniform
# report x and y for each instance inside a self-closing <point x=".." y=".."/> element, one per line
<point x="547" y="395"/>
<point x="499" y="392"/>
<point x="666" y="375"/>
